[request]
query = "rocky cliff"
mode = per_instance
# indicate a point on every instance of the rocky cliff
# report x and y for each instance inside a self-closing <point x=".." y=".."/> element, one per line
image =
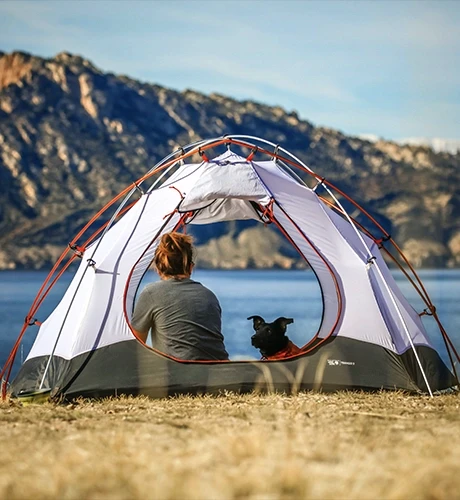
<point x="71" y="136"/>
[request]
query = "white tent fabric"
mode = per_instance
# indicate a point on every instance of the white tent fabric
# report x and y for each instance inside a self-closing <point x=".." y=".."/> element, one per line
<point x="96" y="308"/>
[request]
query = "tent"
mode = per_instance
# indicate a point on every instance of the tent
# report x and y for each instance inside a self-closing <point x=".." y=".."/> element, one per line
<point x="370" y="337"/>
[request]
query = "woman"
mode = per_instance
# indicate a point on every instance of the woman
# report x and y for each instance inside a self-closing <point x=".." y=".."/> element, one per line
<point x="183" y="316"/>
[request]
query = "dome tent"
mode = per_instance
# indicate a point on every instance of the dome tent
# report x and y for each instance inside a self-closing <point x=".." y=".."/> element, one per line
<point x="370" y="337"/>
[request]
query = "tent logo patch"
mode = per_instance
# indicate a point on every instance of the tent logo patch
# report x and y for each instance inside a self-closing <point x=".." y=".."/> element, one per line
<point x="339" y="362"/>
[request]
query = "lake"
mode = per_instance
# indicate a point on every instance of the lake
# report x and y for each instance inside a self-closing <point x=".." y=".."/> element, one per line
<point x="268" y="293"/>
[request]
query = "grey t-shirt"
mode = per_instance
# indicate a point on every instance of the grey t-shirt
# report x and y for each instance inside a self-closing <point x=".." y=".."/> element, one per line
<point x="184" y="318"/>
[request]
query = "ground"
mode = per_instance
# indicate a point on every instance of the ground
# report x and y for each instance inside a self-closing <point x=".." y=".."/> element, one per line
<point x="348" y="445"/>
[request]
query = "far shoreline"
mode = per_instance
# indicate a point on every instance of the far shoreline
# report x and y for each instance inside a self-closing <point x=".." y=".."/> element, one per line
<point x="225" y="269"/>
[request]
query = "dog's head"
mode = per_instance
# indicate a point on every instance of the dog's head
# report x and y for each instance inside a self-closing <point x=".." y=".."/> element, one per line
<point x="270" y="338"/>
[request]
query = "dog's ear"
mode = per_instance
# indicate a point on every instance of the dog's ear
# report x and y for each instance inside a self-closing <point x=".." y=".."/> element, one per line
<point x="258" y="320"/>
<point x="283" y="322"/>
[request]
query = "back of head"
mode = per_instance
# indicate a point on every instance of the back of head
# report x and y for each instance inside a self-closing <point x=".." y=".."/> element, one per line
<point x="174" y="255"/>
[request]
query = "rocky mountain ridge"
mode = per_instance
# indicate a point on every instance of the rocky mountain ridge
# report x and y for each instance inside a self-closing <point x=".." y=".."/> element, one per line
<point x="72" y="136"/>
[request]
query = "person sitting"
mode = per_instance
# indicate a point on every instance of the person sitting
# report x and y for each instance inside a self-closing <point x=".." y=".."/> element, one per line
<point x="183" y="316"/>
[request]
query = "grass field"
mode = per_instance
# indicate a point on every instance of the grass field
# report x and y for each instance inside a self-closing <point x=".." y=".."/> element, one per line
<point x="347" y="445"/>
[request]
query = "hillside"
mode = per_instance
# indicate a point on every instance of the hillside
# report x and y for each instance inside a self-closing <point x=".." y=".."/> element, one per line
<point x="72" y="136"/>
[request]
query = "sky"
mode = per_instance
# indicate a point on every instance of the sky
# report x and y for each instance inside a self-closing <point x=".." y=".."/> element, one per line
<point x="388" y="68"/>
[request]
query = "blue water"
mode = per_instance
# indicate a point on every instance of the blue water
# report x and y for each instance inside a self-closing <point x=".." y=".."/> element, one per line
<point x="269" y="294"/>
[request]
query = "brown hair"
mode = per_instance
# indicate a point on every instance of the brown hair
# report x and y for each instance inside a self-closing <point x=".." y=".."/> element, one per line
<point x="174" y="255"/>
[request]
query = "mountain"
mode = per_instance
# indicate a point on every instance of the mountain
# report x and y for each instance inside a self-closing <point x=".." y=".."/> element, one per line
<point x="72" y="136"/>
<point x="437" y="143"/>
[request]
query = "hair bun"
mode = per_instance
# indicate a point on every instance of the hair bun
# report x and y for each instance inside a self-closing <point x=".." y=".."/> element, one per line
<point x="174" y="254"/>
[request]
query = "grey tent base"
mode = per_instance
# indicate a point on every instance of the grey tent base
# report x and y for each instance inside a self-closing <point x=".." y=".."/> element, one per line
<point x="131" y="368"/>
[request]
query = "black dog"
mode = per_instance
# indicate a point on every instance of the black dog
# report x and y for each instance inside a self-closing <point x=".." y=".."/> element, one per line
<point x="271" y="340"/>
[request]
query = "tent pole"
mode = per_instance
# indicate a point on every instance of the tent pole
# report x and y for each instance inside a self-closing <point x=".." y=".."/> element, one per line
<point x="371" y="262"/>
<point x="405" y="328"/>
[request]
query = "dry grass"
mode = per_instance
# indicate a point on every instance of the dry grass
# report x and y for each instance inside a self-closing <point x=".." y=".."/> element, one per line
<point x="346" y="445"/>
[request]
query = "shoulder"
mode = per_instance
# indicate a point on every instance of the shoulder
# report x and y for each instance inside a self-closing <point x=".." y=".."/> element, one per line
<point x="197" y="284"/>
<point x="200" y="288"/>
<point x="152" y="288"/>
